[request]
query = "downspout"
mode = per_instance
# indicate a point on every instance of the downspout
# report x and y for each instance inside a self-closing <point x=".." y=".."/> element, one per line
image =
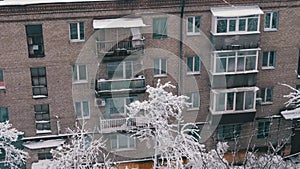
<point x="182" y="4"/>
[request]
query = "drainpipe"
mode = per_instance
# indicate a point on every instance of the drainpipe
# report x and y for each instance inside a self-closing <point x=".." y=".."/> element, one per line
<point x="182" y="4"/>
<point x="57" y="125"/>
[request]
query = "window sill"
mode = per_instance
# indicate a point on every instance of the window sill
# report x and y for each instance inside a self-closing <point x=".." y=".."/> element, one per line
<point x="266" y="103"/>
<point x="193" y="73"/>
<point x="193" y="109"/>
<point x="2" y="87"/>
<point x="193" y="34"/>
<point x="39" y="96"/>
<point x="268" y="68"/>
<point x="43" y="131"/>
<point x="235" y="33"/>
<point x="76" y="40"/>
<point x="80" y="82"/>
<point x="270" y="30"/>
<point x="83" y="118"/>
<point x="164" y="75"/>
<point x="123" y="149"/>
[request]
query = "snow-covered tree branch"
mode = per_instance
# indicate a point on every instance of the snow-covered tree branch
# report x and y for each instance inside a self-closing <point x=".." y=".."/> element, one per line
<point x="12" y="156"/>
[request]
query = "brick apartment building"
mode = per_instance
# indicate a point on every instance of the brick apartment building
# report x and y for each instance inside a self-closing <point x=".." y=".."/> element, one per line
<point x="68" y="61"/>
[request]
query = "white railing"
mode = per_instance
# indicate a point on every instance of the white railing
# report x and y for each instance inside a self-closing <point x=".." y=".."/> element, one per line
<point x="121" y="123"/>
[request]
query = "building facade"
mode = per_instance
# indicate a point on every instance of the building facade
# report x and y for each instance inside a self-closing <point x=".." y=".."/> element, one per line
<point x="64" y="62"/>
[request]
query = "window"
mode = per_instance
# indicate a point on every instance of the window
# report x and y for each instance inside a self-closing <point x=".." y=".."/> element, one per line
<point x="194" y="99"/>
<point x="269" y="59"/>
<point x="160" y="28"/>
<point x="263" y="129"/>
<point x="35" y="41"/>
<point x="79" y="73"/>
<point x="228" y="132"/>
<point x="232" y="62"/>
<point x="119" y="70"/>
<point x="42" y="118"/>
<point x="271" y="21"/>
<point x="122" y="141"/>
<point x="160" y="67"/>
<point x="193" y="65"/>
<point x="117" y="105"/>
<point x="242" y="24"/>
<point x="267" y="95"/>
<point x="2" y="85"/>
<point x="82" y="109"/>
<point x="39" y="82"/>
<point x="193" y="25"/>
<point x="77" y="31"/>
<point x="3" y="114"/>
<point x="233" y="100"/>
<point x="44" y="154"/>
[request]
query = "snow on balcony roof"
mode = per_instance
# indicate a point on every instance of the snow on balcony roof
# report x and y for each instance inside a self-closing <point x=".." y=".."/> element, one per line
<point x="118" y="23"/>
<point x="31" y="2"/>
<point x="44" y="144"/>
<point x="236" y="11"/>
<point x="291" y="114"/>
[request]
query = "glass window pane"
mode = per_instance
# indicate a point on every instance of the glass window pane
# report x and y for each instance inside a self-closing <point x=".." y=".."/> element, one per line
<point x="196" y="100"/>
<point x="73" y="31"/>
<point x="274" y="20"/>
<point x="78" y="109"/>
<point x="75" y="77"/>
<point x="250" y="63"/>
<point x="86" y="110"/>
<point x="156" y="66"/>
<point x="239" y="101"/>
<point x="242" y="25"/>
<point x="249" y="102"/>
<point x="163" y="66"/>
<point x="221" y="65"/>
<point x="113" y="142"/>
<point x="197" y="23"/>
<point x="241" y="64"/>
<point x="230" y="97"/>
<point x="131" y="142"/>
<point x="267" y="20"/>
<point x="231" y="65"/>
<point x="265" y="59"/>
<point x="3" y="114"/>
<point x="232" y="24"/>
<point x="220" y="99"/>
<point x="123" y="141"/>
<point x="272" y="58"/>
<point x="81" y="28"/>
<point x="189" y="64"/>
<point x="1" y="76"/>
<point x="221" y="26"/>
<point x="82" y="72"/>
<point x="252" y="24"/>
<point x="269" y="95"/>
<point x="128" y="70"/>
<point x="190" y="24"/>
<point x="197" y="63"/>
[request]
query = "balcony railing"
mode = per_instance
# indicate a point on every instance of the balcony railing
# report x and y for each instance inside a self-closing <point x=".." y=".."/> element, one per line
<point x="135" y="85"/>
<point x="119" y="48"/>
<point x="121" y="123"/>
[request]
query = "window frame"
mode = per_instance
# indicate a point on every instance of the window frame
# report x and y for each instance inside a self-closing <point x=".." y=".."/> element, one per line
<point x="43" y="121"/>
<point x="2" y="115"/>
<point x="164" y="33"/>
<point x="193" y="71"/>
<point x="78" y="39"/>
<point x="122" y="65"/>
<point x="264" y="95"/>
<point x="191" y="100"/>
<point x="117" y="139"/>
<point x="193" y="25"/>
<point x="125" y="102"/>
<point x="76" y="70"/>
<point x="161" y="72"/>
<point x="82" y="116"/>
<point x="233" y="105"/>
<point x="237" y="20"/>
<point x="269" y="66"/>
<point x="218" y="67"/>
<point x="40" y="86"/>
<point x="228" y="132"/>
<point x="2" y="83"/>
<point x="263" y="129"/>
<point x="270" y="28"/>
<point x="32" y="45"/>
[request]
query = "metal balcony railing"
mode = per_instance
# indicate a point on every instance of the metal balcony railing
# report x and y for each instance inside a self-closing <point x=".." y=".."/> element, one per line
<point x="121" y="84"/>
<point x="121" y="123"/>
<point x="119" y="47"/>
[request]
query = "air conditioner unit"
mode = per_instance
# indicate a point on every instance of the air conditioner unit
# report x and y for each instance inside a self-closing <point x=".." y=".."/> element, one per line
<point x="99" y="102"/>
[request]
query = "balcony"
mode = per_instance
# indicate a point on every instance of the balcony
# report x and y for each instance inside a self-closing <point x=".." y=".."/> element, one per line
<point x="120" y="86"/>
<point x="108" y="125"/>
<point x="119" y="50"/>
<point x="234" y="42"/>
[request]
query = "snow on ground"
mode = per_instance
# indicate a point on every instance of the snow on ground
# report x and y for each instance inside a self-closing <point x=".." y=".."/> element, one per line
<point x="41" y="164"/>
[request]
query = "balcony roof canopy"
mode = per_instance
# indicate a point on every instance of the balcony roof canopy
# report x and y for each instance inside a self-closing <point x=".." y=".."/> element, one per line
<point x="235" y="11"/>
<point x="118" y="23"/>
<point x="291" y="114"/>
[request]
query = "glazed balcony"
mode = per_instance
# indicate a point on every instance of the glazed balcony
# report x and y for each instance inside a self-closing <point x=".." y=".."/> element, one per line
<point x="120" y="86"/>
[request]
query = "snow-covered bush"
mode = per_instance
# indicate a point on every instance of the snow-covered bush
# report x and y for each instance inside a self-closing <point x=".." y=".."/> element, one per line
<point x="11" y="156"/>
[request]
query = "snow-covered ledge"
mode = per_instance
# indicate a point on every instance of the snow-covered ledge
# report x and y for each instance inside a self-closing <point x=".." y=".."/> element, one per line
<point x="291" y="114"/>
<point x="44" y="144"/>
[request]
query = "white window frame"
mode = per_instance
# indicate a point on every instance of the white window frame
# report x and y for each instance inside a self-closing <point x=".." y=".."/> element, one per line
<point x="264" y="99"/>
<point x="214" y="94"/>
<point x="123" y="64"/>
<point x="81" y="107"/>
<point x="118" y="143"/>
<point x="271" y="21"/>
<point x="2" y="83"/>
<point x="268" y="60"/>
<point x="78" y="32"/>
<point x="194" y="26"/>
<point x="237" y="20"/>
<point x="124" y="102"/>
<point x="192" y="71"/>
<point x="236" y="56"/>
<point x="78" y="74"/>
<point x="192" y="98"/>
<point x="160" y="73"/>
<point x="42" y="122"/>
